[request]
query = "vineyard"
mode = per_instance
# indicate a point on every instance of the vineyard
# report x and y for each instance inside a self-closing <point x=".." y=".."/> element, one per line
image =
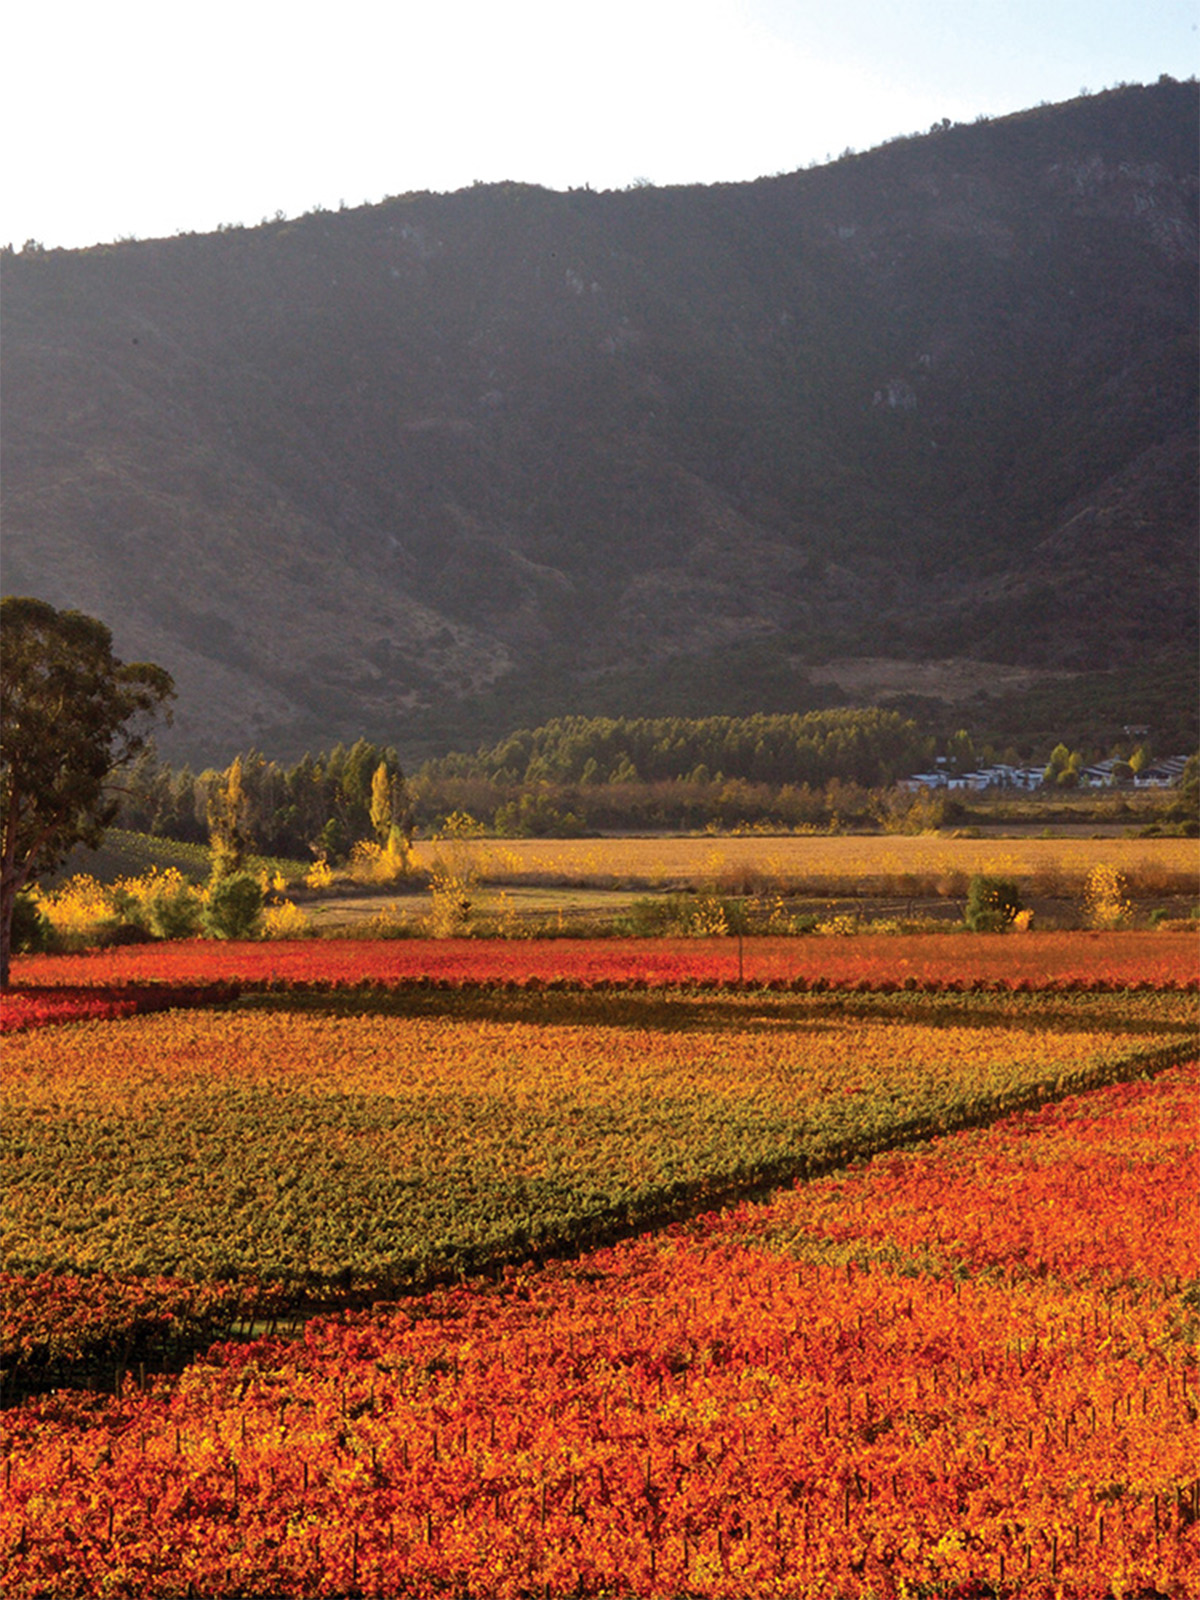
<point x="120" y="980"/>
<point x="596" y="1269"/>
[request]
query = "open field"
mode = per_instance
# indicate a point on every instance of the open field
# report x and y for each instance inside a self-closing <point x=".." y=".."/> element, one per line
<point x="549" y="907"/>
<point x="823" y="864"/>
<point x="860" y="865"/>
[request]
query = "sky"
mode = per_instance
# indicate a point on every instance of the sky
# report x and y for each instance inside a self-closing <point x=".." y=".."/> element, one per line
<point x="144" y="118"/>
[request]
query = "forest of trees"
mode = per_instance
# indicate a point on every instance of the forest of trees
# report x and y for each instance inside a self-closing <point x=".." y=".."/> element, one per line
<point x="868" y="747"/>
<point x="591" y="773"/>
<point x="568" y="777"/>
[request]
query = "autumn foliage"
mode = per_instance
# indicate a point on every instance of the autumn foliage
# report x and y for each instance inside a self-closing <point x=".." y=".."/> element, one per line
<point x="326" y="1144"/>
<point x="1032" y="961"/>
<point x="834" y="1394"/>
<point x="950" y="1354"/>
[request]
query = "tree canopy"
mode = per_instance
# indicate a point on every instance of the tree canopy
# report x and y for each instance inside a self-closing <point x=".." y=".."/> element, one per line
<point x="70" y="714"/>
<point x="857" y="745"/>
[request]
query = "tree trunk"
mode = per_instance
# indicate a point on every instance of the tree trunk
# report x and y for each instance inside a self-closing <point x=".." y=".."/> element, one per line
<point x="13" y="878"/>
<point x="8" y="899"/>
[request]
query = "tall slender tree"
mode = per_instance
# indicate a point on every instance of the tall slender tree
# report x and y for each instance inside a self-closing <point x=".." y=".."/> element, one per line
<point x="229" y="809"/>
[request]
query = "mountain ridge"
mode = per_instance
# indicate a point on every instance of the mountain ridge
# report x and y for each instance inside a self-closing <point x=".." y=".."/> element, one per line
<point x="363" y="471"/>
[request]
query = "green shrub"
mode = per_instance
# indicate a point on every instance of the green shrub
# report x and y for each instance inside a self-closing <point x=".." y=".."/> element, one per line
<point x="234" y="908"/>
<point x="992" y="903"/>
<point x="31" y="931"/>
<point x="129" y="920"/>
<point x="174" y="909"/>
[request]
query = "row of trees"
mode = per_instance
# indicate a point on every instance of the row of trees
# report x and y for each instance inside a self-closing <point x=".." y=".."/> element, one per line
<point x="1065" y="766"/>
<point x="574" y="776"/>
<point x="566" y="810"/>
<point x="319" y="806"/>
<point x="567" y="777"/>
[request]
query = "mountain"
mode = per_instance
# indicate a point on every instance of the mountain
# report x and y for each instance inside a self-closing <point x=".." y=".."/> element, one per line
<point x="429" y="468"/>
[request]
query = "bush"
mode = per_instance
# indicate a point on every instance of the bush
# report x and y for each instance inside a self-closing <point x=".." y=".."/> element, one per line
<point x="379" y="863"/>
<point x="81" y="912"/>
<point x="1104" y="898"/>
<point x="31" y="931"/>
<point x="130" y="923"/>
<point x="319" y="875"/>
<point x="451" y="902"/>
<point x="287" y="921"/>
<point x="992" y="903"/>
<point x="234" y="907"/>
<point x="173" y="906"/>
<point x="679" y="916"/>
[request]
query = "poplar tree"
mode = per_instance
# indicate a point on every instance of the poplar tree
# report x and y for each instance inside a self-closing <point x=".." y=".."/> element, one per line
<point x="229" y="821"/>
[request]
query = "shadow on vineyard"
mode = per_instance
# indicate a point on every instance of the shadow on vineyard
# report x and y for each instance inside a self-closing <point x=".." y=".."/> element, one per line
<point x="159" y="1324"/>
<point x="741" y="1008"/>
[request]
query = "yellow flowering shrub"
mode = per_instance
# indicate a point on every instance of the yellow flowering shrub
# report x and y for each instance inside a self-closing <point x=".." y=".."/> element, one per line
<point x="1104" y="900"/>
<point x="286" y="921"/>
<point x="319" y="875"/>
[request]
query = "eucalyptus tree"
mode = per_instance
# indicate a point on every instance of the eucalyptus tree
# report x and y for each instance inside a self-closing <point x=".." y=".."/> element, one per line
<point x="71" y="714"/>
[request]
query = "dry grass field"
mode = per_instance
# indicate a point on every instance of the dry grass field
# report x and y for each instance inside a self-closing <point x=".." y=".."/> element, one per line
<point x="838" y="865"/>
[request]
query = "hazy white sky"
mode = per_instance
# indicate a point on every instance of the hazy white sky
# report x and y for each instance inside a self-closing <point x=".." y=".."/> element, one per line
<point x="146" y="117"/>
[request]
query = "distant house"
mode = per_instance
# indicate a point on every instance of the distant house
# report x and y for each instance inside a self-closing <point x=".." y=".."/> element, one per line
<point x="1161" y="774"/>
<point x="1000" y="776"/>
<point x="973" y="780"/>
<point x="1100" y="774"/>
<point x="1004" y="776"/>
<point x="1158" y="775"/>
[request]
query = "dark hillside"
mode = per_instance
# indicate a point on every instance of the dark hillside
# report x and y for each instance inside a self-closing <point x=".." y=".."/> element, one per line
<point x="381" y="470"/>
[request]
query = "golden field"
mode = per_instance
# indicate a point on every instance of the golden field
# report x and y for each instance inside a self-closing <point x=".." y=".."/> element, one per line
<point x="824" y="864"/>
